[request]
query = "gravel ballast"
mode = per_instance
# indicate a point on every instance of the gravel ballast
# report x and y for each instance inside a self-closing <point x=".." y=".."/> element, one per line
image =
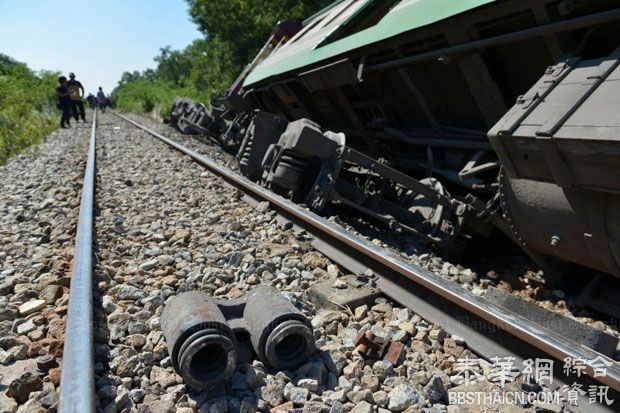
<point x="39" y="206"/>
<point x="164" y="226"/>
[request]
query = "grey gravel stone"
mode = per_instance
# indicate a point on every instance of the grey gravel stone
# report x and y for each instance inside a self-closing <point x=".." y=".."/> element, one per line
<point x="30" y="406"/>
<point x="149" y="265"/>
<point x="107" y="303"/>
<point x="7" y="405"/>
<point x="137" y="395"/>
<point x="162" y="406"/>
<point x="370" y="382"/>
<point x="128" y="292"/>
<point x="435" y="389"/>
<point x="6" y="357"/>
<point x="262" y="207"/>
<point x="19" y="351"/>
<point x="110" y="408"/>
<point x="383" y="368"/>
<point x="403" y="396"/>
<point x="220" y="406"/>
<point x="362" y="407"/>
<point x="310" y="384"/>
<point x="238" y="381"/>
<point x="337" y="407"/>
<point x="26" y="327"/>
<point x="122" y="397"/>
<point x="273" y="394"/>
<point x="335" y="361"/>
<point x="297" y="395"/>
<point x="106" y="393"/>
<point x="380" y="398"/>
<point x="163" y="377"/>
<point x="51" y="293"/>
<point x="48" y="398"/>
<point x="31" y="307"/>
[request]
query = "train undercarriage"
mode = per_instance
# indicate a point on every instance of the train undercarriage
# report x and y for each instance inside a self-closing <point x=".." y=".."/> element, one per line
<point x="501" y="117"/>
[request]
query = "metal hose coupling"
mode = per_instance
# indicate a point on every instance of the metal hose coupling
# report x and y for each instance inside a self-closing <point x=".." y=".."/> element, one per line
<point x="201" y="344"/>
<point x="281" y="335"/>
<point x="202" y="334"/>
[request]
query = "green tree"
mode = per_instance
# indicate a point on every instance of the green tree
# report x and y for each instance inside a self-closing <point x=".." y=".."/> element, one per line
<point x="234" y="32"/>
<point x="173" y="65"/>
<point x="27" y="106"/>
<point x="245" y="25"/>
<point x="128" y="77"/>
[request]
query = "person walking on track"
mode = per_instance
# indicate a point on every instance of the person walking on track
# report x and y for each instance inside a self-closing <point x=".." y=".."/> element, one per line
<point x="76" y="90"/>
<point x="91" y="100"/>
<point x="101" y="99"/>
<point x="64" y="102"/>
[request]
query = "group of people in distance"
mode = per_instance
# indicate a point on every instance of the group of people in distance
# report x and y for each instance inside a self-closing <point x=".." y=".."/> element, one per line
<point x="100" y="101"/>
<point x="71" y="100"/>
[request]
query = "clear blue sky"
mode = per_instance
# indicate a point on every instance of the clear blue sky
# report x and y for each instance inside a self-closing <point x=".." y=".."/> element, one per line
<point x="96" y="39"/>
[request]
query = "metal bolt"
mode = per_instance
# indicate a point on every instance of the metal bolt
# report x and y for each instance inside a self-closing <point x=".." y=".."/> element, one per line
<point x="445" y="60"/>
<point x="555" y="240"/>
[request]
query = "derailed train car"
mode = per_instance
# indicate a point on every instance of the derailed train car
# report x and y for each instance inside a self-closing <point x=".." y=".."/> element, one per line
<point x="444" y="118"/>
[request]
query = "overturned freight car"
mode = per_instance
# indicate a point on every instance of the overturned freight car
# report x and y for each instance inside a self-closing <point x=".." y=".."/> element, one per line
<point x="445" y="118"/>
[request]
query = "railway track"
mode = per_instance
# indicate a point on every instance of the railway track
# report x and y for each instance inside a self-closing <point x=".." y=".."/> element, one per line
<point x="488" y="329"/>
<point x="115" y="357"/>
<point x="77" y="379"/>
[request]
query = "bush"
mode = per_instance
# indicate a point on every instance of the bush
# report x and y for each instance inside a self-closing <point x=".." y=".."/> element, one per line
<point x="27" y="107"/>
<point x="148" y="97"/>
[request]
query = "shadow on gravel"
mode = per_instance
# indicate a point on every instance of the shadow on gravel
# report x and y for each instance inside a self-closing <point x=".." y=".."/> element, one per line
<point x="101" y="332"/>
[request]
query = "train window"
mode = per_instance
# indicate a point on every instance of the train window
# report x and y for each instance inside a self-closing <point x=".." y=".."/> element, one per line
<point x="367" y="16"/>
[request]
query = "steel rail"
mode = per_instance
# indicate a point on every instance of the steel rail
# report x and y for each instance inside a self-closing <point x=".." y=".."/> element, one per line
<point x="530" y="333"/>
<point x="77" y="380"/>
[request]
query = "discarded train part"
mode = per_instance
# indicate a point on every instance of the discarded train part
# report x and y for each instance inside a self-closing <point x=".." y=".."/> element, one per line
<point x="281" y="335"/>
<point x="202" y="334"/>
<point x="201" y="345"/>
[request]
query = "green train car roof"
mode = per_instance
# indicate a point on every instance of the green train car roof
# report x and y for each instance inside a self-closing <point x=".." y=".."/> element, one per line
<point x="319" y="39"/>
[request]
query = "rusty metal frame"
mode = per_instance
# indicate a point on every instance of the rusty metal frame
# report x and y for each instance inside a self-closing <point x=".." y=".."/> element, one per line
<point x="392" y="174"/>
